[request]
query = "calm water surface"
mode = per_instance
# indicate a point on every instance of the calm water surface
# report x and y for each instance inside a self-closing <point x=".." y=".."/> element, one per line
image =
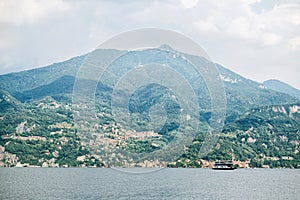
<point x="84" y="183"/>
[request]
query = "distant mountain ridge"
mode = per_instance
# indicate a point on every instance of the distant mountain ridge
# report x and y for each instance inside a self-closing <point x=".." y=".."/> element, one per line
<point x="242" y="94"/>
<point x="19" y="82"/>
<point x="37" y="125"/>
<point x="280" y="86"/>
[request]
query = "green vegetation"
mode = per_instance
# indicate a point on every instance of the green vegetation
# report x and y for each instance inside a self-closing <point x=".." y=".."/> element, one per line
<point x="37" y="125"/>
<point x="266" y="136"/>
<point x="42" y="133"/>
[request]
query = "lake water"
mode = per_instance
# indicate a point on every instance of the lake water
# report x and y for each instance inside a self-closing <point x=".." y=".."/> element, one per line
<point x="101" y="183"/>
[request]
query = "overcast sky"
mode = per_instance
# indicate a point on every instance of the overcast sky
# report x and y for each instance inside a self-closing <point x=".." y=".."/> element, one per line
<point x="257" y="39"/>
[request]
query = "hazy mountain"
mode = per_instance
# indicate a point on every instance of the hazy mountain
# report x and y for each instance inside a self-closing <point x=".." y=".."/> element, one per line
<point x="57" y="80"/>
<point x="20" y="82"/>
<point x="30" y="79"/>
<point x="280" y="86"/>
<point x="41" y="130"/>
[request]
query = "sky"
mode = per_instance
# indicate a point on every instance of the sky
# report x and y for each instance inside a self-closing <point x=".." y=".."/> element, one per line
<point x="259" y="39"/>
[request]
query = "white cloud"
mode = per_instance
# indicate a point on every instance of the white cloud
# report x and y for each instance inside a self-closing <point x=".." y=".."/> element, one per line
<point x="16" y="12"/>
<point x="35" y="33"/>
<point x="273" y="27"/>
<point x="243" y="28"/>
<point x="290" y="12"/>
<point x="189" y="3"/>
<point x="205" y="26"/>
<point x="269" y="39"/>
<point x="295" y="43"/>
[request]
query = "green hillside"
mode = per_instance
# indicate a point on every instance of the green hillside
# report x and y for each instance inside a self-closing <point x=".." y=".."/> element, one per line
<point x="40" y="126"/>
<point x="266" y="135"/>
<point x="41" y="133"/>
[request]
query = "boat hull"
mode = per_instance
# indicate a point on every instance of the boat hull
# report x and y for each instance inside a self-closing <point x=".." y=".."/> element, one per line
<point x="224" y="165"/>
<point x="223" y="168"/>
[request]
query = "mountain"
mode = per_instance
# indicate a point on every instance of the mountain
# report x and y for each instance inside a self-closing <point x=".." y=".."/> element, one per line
<point x="39" y="125"/>
<point x="56" y="80"/>
<point x="41" y="134"/>
<point x="7" y="101"/>
<point x="20" y="82"/>
<point x="58" y="89"/>
<point x="280" y="86"/>
<point x="266" y="136"/>
<point x="243" y="94"/>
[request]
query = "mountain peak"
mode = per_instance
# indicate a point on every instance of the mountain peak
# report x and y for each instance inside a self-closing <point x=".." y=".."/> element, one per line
<point x="282" y="87"/>
<point x="166" y="47"/>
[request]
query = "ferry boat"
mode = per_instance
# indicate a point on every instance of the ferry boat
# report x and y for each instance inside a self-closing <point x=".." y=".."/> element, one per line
<point x="224" y="165"/>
